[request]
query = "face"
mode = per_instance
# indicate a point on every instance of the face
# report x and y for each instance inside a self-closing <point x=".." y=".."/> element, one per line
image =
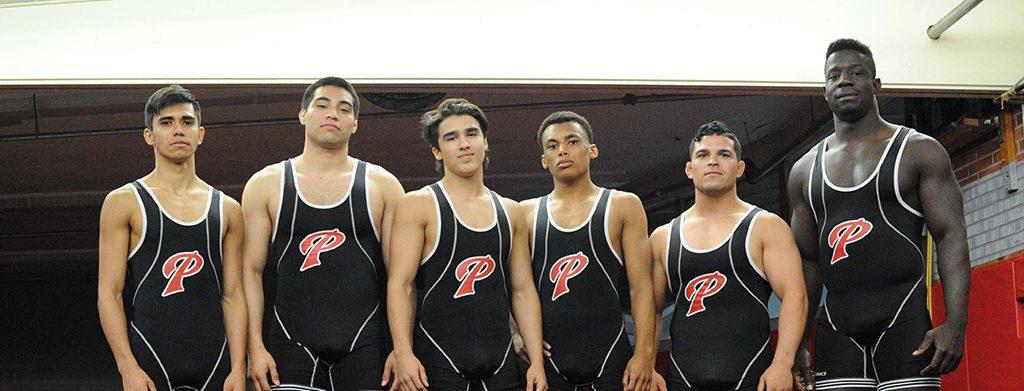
<point x="567" y="150"/>
<point x="461" y="145"/>
<point x="175" y="132"/>
<point x="849" y="85"/>
<point x="713" y="165"/>
<point x="330" y="119"/>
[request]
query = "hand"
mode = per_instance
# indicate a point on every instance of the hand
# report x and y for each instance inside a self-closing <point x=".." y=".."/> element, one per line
<point x="536" y="380"/>
<point x="657" y="382"/>
<point x="135" y="379"/>
<point x="777" y="377"/>
<point x="235" y="381"/>
<point x="949" y="349"/>
<point x="520" y="347"/>
<point x="409" y="373"/>
<point x="802" y="373"/>
<point x="261" y="363"/>
<point x="637" y="376"/>
<point x="389" y="370"/>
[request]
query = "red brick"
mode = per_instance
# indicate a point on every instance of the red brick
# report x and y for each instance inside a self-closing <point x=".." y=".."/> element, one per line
<point x="968" y="180"/>
<point x="980" y="164"/>
<point x="961" y="173"/>
<point x="987" y="148"/>
<point x="989" y="171"/>
<point x="964" y="159"/>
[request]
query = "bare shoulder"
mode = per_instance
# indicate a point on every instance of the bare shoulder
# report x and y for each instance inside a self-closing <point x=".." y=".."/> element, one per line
<point x="513" y="208"/>
<point x="232" y="208"/>
<point x="530" y="206"/>
<point x="381" y="176"/>
<point x="926" y="151"/>
<point x="121" y="200"/>
<point x="769" y="222"/>
<point x="802" y="167"/>
<point x="417" y="200"/>
<point x="624" y="200"/>
<point x="660" y="235"/>
<point x="269" y="175"/>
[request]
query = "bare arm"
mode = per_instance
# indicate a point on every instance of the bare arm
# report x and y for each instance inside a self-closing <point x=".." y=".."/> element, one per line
<point x="407" y="238"/>
<point x="659" y="281"/>
<point x="115" y="232"/>
<point x="805" y="234"/>
<point x="525" y="302"/>
<point x="782" y="267"/>
<point x="637" y="253"/>
<point x="943" y="210"/>
<point x="233" y="296"/>
<point x="391" y="191"/>
<point x="258" y="228"/>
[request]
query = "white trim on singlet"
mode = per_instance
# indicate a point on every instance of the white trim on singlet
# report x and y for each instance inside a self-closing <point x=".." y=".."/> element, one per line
<point x="355" y="233"/>
<point x="668" y="248"/>
<point x="864" y="353"/>
<point x="439" y="348"/>
<point x="156" y="257"/>
<point x="673" y="359"/>
<point x="505" y="357"/>
<point x="897" y="316"/>
<point x="878" y="167"/>
<point x="896" y="175"/>
<point x="280" y="205"/>
<point x="810" y="185"/>
<point x="369" y="201"/>
<point x="215" y="365"/>
<point x="356" y="338"/>
<point x="142" y="207"/>
<point x="437" y="228"/>
<point x="751" y="363"/>
<point x="209" y="200"/>
<point x="746" y="246"/>
<point x="223" y="227"/>
<point x="590" y="239"/>
<point x="590" y="215"/>
<point x="909" y="382"/>
<point x="608" y="239"/>
<point x="732" y="264"/>
<point x="293" y="387"/>
<point x="544" y="263"/>
<point x="455" y="245"/>
<point x="458" y="219"/>
<point x="348" y="193"/>
<point x="845" y="382"/>
<point x="679" y="264"/>
<point x="552" y="361"/>
<point x="151" y="350"/>
<point x="610" y="349"/>
<point x="287" y="335"/>
<point x="209" y="254"/>
<point x="878" y="198"/>
<point x="727" y="239"/>
<point x="501" y="238"/>
<point x="291" y="231"/>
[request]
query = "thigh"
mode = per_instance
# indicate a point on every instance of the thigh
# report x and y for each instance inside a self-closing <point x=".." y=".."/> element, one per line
<point x="840" y="362"/>
<point x="893" y="358"/>
<point x="361" y="369"/>
<point x="297" y="365"/>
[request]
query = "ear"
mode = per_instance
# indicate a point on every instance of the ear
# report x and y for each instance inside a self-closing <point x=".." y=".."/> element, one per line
<point x="302" y="116"/>
<point x="741" y="168"/>
<point x="689" y="171"/>
<point x="436" y="152"/>
<point x="147" y="135"/>
<point x="824" y="93"/>
<point x="593" y="151"/>
<point x="485" y="145"/>
<point x="355" y="126"/>
<point x="877" y="83"/>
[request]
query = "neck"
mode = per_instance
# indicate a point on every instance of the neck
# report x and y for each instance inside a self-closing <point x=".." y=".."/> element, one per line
<point x="471" y="185"/>
<point x="869" y="127"/>
<point x="576" y="189"/>
<point x="177" y="176"/>
<point x="708" y="205"/>
<point x="317" y="158"/>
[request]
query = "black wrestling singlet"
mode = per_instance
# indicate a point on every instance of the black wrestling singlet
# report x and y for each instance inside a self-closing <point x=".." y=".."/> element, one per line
<point x="721" y="326"/>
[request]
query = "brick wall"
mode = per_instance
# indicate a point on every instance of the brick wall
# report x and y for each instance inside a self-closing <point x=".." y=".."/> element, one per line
<point x="995" y="218"/>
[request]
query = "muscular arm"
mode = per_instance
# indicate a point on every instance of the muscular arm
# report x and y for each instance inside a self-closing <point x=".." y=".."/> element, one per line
<point x="407" y="236"/>
<point x="525" y="302"/>
<point x="659" y="281"/>
<point x="805" y="234"/>
<point x="637" y="253"/>
<point x="943" y="210"/>
<point x="782" y="266"/>
<point x="391" y="191"/>
<point x="115" y="231"/>
<point x="233" y="296"/>
<point x="258" y="227"/>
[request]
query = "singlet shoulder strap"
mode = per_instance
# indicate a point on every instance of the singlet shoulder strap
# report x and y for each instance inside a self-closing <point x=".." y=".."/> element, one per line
<point x="672" y="255"/>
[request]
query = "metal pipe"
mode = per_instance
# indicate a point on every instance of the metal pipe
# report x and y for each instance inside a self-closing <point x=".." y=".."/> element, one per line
<point x="935" y="30"/>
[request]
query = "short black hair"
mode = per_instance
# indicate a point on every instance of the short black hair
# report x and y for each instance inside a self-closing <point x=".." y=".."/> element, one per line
<point x="565" y="116"/>
<point x="717" y="128"/>
<point x="170" y="95"/>
<point x="332" y="81"/>
<point x="855" y="45"/>
<point x="431" y="121"/>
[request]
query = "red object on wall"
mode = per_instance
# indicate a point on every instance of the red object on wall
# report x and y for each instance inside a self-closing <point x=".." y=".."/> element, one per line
<point x="994" y="345"/>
